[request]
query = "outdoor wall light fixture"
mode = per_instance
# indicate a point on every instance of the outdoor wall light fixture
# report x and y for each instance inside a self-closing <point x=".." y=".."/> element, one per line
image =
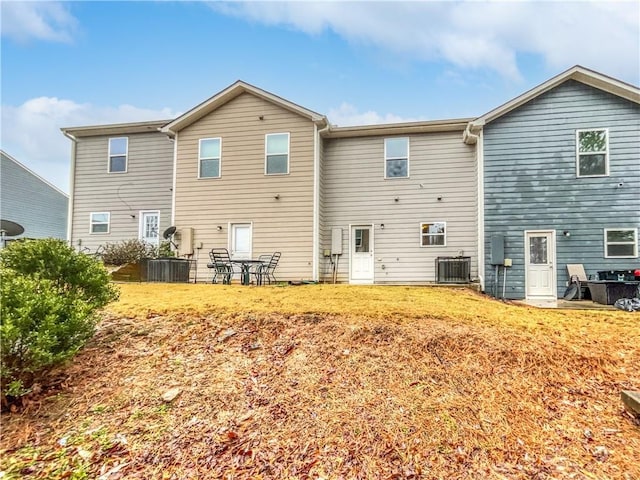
<point x="440" y="198"/>
<point x="261" y="117"/>
<point x="397" y="199"/>
<point x="277" y="196"/>
<point x="566" y="233"/>
<point x="219" y="227"/>
<point x="382" y="226"/>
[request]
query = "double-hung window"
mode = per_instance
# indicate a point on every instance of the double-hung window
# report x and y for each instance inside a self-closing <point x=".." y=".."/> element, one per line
<point x="118" y="150"/>
<point x="592" y="153"/>
<point x="396" y="157"/>
<point x="620" y="242"/>
<point x="209" y="157"/>
<point x="276" y="154"/>
<point x="433" y="234"/>
<point x="99" y="222"/>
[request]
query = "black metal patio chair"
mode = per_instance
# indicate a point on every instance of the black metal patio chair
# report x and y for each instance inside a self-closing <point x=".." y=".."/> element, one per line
<point x="268" y="268"/>
<point x="221" y="265"/>
<point x="258" y="270"/>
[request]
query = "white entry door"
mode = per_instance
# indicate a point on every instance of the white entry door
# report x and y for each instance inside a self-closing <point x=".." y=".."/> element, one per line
<point x="361" y="254"/>
<point x="540" y="252"/>
<point x="240" y="240"/>
<point x="150" y="227"/>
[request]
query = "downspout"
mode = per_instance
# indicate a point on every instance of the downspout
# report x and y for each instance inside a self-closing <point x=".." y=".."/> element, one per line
<point x="72" y="174"/>
<point x="473" y="134"/>
<point x="315" y="250"/>
<point x="173" y="187"/>
<point x="480" y="161"/>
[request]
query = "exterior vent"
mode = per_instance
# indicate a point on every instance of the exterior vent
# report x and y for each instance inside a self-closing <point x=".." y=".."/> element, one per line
<point x="453" y="269"/>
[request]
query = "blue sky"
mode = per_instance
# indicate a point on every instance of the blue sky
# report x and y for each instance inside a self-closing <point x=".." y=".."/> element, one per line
<point x="85" y="63"/>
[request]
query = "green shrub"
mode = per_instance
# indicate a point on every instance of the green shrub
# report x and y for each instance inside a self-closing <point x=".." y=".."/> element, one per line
<point x="127" y="251"/>
<point x="165" y="249"/>
<point x="50" y="297"/>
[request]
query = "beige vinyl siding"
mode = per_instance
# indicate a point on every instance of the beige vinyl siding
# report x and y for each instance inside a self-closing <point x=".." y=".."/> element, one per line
<point x="356" y="193"/>
<point x="145" y="186"/>
<point x="243" y="193"/>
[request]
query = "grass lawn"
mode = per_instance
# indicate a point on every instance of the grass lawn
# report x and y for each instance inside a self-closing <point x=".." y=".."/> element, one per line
<point x="335" y="382"/>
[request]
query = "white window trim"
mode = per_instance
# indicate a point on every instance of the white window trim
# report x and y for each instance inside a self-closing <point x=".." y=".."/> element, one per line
<point x="397" y="158"/>
<point x="288" y="152"/>
<point x="200" y="158"/>
<point x="141" y="225"/>
<point x="91" y="232"/>
<point x="433" y="235"/>
<point x="578" y="153"/>
<point x="126" y="156"/>
<point x="635" y="242"/>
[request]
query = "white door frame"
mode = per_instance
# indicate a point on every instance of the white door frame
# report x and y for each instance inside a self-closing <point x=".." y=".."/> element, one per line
<point x="551" y="252"/>
<point x="141" y="216"/>
<point x="351" y="249"/>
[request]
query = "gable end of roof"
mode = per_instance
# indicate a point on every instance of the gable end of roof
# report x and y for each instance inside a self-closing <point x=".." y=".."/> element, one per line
<point x="228" y="94"/>
<point x="577" y="73"/>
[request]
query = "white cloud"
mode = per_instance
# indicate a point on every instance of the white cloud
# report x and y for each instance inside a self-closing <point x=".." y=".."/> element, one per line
<point x="601" y="35"/>
<point x="31" y="131"/>
<point x="348" y="115"/>
<point x="27" y="20"/>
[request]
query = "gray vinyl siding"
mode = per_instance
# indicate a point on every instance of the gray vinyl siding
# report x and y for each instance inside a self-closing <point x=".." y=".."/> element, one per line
<point x="243" y="193"/>
<point x="145" y="186"/>
<point x="26" y="199"/>
<point x="356" y="193"/>
<point x="530" y="180"/>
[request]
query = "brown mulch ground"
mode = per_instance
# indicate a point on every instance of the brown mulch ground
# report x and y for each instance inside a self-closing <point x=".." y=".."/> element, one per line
<point x="316" y="394"/>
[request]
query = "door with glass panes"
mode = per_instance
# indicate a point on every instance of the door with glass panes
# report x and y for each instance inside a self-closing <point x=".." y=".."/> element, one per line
<point x="540" y="253"/>
<point x="150" y="227"/>
<point x="361" y="270"/>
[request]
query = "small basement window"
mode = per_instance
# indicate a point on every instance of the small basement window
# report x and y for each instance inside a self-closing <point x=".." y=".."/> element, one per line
<point x="620" y="243"/>
<point x="433" y="234"/>
<point x="592" y="152"/>
<point x="100" y="222"/>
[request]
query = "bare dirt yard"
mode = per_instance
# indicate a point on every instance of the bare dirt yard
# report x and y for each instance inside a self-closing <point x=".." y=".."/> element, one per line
<point x="335" y="382"/>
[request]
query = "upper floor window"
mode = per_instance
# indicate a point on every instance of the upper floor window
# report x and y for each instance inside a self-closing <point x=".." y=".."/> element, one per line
<point x="118" y="148"/>
<point x="209" y="157"/>
<point x="396" y="157"/>
<point x="592" y="151"/>
<point x="100" y="222"/>
<point x="276" y="153"/>
<point x="620" y="242"/>
<point x="433" y="234"/>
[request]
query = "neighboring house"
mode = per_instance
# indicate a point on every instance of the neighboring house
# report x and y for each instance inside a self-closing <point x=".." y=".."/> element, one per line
<point x="30" y="201"/>
<point x="246" y="178"/>
<point x="255" y="173"/>
<point x="121" y="183"/>
<point x="561" y="182"/>
<point x="402" y="195"/>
